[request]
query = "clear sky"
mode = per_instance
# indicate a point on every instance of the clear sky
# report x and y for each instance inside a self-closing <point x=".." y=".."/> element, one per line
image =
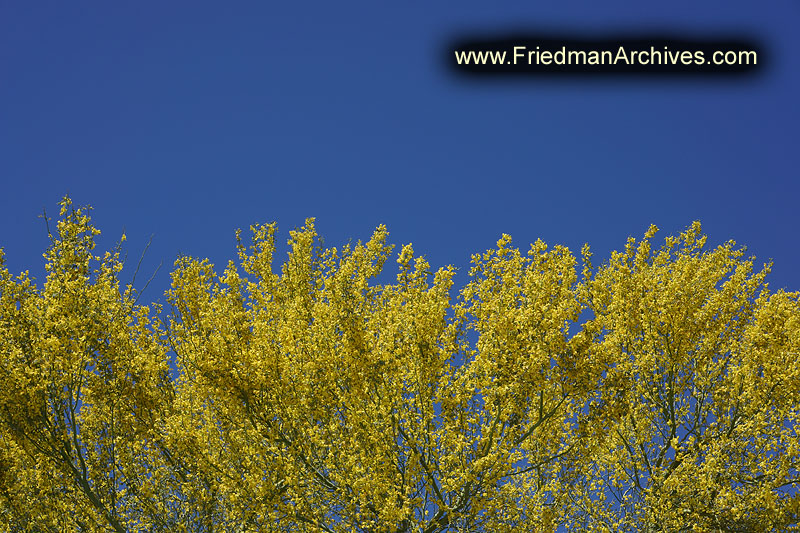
<point x="188" y="120"/>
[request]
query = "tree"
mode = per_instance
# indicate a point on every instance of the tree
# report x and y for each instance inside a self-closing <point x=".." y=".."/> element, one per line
<point x="84" y="380"/>
<point x="697" y="397"/>
<point x="315" y="398"/>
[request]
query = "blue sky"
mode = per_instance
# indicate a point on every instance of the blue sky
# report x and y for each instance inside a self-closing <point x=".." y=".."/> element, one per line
<point x="187" y="120"/>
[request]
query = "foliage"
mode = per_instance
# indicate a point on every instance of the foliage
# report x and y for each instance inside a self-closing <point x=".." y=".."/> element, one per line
<point x="658" y="391"/>
<point x="695" y="408"/>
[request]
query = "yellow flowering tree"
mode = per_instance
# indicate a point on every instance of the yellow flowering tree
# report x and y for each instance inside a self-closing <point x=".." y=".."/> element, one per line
<point x="693" y="422"/>
<point x="83" y="379"/>
<point x="321" y="396"/>
<point x="316" y="399"/>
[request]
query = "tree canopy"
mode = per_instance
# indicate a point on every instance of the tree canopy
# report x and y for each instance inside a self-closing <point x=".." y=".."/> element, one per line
<point x="658" y="390"/>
